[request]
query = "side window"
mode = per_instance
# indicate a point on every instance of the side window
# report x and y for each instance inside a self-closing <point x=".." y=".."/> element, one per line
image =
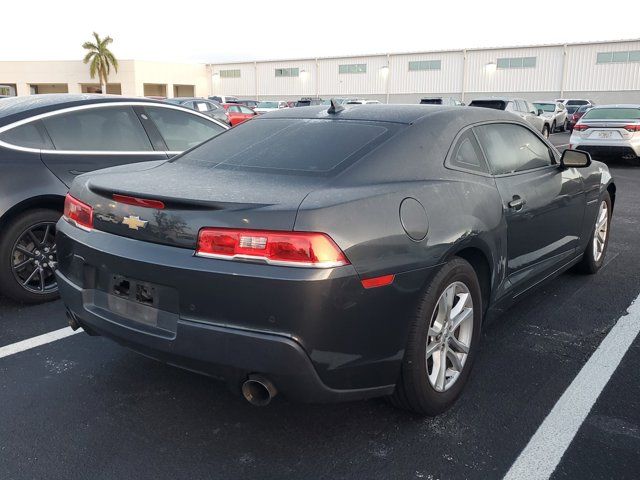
<point x="98" y="129"/>
<point x="202" y="106"/>
<point x="246" y="110"/>
<point x="234" y="109"/>
<point x="512" y="148"/>
<point x="182" y="130"/>
<point x="510" y="107"/>
<point x="521" y="106"/>
<point x="211" y="106"/>
<point x="29" y="135"/>
<point x="467" y="154"/>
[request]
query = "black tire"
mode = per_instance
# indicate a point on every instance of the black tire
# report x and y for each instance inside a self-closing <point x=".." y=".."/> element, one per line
<point x="545" y="131"/>
<point x="565" y="126"/>
<point x="554" y="127"/>
<point x="589" y="264"/>
<point x="12" y="232"/>
<point x="414" y="391"/>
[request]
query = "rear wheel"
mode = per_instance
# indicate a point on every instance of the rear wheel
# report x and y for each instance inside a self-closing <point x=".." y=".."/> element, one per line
<point x="28" y="257"/>
<point x="442" y="341"/>
<point x="593" y="257"/>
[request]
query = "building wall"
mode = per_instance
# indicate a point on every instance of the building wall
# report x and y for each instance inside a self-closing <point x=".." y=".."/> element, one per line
<point x="560" y="70"/>
<point x="129" y="80"/>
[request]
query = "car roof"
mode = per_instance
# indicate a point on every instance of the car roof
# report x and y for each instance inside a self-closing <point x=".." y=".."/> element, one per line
<point x="17" y="108"/>
<point x="406" y="114"/>
<point x="500" y="99"/>
<point x="616" y="105"/>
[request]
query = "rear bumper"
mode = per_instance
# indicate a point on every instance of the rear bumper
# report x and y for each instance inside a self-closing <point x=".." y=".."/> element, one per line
<point x="609" y="151"/>
<point x="222" y="352"/>
<point x="317" y="334"/>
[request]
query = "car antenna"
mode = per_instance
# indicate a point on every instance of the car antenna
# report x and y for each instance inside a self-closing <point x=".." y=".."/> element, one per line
<point x="335" y="107"/>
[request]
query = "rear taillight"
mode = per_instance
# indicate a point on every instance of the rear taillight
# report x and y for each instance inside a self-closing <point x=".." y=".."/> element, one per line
<point x="295" y="249"/>
<point x="581" y="128"/>
<point x="632" y="128"/>
<point x="78" y="213"/>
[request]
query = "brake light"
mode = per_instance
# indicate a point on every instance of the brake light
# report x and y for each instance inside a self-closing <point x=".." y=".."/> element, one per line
<point x="78" y="213"/>
<point x="138" y="202"/>
<point x="295" y="249"/>
<point x="632" y="128"/>
<point x="581" y="127"/>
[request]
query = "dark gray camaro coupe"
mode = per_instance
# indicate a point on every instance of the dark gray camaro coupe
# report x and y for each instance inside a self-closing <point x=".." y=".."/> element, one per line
<point x="331" y="254"/>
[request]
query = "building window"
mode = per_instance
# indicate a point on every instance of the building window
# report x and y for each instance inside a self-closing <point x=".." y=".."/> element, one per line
<point x="230" y="73"/>
<point x="287" y="72"/>
<point x="521" y="62"/>
<point x="425" y="65"/>
<point x="353" y="68"/>
<point x="618" y="57"/>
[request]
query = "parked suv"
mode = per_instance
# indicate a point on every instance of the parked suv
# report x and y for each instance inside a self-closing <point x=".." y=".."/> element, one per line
<point x="520" y="107"/>
<point x="206" y="107"/>
<point x="556" y="112"/>
<point x="48" y="140"/>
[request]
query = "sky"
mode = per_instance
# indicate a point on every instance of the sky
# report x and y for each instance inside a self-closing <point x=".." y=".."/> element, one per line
<point x="214" y="31"/>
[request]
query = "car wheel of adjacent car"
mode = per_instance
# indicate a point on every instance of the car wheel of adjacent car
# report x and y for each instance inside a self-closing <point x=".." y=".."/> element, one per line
<point x="545" y="131"/>
<point x="28" y="257"/>
<point x="442" y="342"/>
<point x="554" y="127"/>
<point x="593" y="257"/>
<point x="565" y="127"/>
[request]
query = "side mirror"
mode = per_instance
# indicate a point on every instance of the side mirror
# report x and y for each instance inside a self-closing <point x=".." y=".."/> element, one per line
<point x="540" y="111"/>
<point x="575" y="159"/>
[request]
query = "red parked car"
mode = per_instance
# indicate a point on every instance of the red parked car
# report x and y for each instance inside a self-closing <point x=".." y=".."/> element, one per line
<point x="238" y="113"/>
<point x="577" y="115"/>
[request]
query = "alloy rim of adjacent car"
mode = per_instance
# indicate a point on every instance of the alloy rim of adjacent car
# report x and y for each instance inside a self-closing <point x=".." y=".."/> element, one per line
<point x="600" y="232"/>
<point x="449" y="337"/>
<point x="34" y="259"/>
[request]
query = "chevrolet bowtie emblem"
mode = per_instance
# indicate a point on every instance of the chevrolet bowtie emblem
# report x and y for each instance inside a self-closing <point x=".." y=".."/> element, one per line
<point x="134" y="222"/>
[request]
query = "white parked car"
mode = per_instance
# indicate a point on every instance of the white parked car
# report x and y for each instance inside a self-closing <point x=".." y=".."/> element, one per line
<point x="609" y="131"/>
<point x="576" y="102"/>
<point x="270" y="106"/>
<point x="556" y="112"/>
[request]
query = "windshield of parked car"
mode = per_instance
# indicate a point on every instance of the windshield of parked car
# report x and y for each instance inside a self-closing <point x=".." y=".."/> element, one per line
<point x="583" y="108"/>
<point x="267" y="105"/>
<point x="612" y="114"/>
<point x="546" y="107"/>
<point x="308" y="146"/>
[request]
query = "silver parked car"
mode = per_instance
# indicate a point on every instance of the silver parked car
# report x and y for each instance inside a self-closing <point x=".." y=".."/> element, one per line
<point x="556" y="112"/>
<point x="520" y="107"/>
<point x="609" y="131"/>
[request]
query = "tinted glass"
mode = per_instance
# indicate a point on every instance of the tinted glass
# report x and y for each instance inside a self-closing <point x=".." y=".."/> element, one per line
<point x="98" y="129"/>
<point x="612" y="114"/>
<point x="512" y="148"/>
<point x="431" y="101"/>
<point x="577" y="102"/>
<point x="290" y="144"/>
<point x="467" y="155"/>
<point x="495" y="104"/>
<point x="182" y="130"/>
<point x="28" y="135"/>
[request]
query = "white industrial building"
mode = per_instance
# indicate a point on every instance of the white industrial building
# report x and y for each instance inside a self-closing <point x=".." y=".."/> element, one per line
<point x="605" y="72"/>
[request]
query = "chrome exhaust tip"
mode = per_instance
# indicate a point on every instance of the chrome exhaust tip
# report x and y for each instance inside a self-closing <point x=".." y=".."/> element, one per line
<point x="258" y="390"/>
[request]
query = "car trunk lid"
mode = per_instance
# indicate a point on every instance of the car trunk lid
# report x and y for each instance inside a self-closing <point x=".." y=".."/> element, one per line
<point x="190" y="200"/>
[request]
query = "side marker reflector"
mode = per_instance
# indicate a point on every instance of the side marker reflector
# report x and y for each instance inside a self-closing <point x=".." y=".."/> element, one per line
<point x="378" y="281"/>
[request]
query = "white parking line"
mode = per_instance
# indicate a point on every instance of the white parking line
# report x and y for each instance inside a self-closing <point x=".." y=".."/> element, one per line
<point x="37" y="341"/>
<point x="544" y="451"/>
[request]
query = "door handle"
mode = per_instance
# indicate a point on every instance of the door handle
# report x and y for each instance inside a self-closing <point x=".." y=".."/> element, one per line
<point x="517" y="203"/>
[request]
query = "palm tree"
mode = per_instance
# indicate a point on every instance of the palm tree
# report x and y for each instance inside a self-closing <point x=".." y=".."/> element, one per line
<point x="101" y="59"/>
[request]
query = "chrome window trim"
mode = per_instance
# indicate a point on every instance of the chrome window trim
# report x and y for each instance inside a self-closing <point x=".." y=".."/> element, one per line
<point x="88" y="106"/>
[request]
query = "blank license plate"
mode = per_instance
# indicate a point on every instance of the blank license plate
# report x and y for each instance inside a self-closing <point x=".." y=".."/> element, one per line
<point x="604" y="134"/>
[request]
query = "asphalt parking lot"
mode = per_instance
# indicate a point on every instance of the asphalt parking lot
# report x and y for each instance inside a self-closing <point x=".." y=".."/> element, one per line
<point x="82" y="407"/>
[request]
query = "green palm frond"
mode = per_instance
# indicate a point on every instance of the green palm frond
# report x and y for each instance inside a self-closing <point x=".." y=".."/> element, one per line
<point x="100" y="58"/>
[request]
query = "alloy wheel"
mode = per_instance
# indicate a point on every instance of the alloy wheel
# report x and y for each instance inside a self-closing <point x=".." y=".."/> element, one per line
<point x="449" y="337"/>
<point x="601" y="231"/>
<point x="34" y="260"/>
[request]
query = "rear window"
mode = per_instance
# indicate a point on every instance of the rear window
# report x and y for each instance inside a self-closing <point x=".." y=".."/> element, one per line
<point x="302" y="146"/>
<point x="495" y="104"/>
<point x="613" y="114"/>
<point x="577" y="102"/>
<point x="431" y="101"/>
